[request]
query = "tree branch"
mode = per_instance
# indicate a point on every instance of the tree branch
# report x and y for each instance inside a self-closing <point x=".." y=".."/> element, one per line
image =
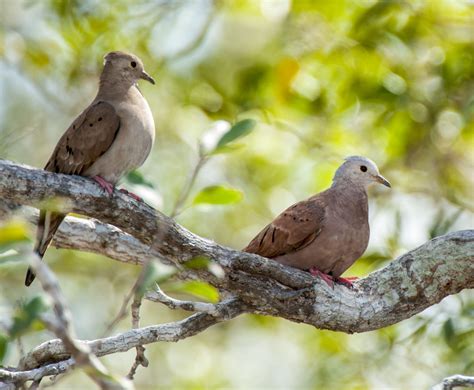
<point x="455" y="381"/>
<point x="134" y="232"/>
<point x="54" y="350"/>
<point x="52" y="358"/>
<point x="408" y="285"/>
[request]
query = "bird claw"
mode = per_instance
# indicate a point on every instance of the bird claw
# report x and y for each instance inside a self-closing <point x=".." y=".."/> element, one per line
<point x="104" y="184"/>
<point x="346" y="281"/>
<point x="325" y="277"/>
<point x="131" y="194"/>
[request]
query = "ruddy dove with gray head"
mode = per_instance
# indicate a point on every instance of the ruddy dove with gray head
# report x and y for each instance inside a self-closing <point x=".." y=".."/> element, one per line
<point x="328" y="232"/>
<point x="112" y="136"/>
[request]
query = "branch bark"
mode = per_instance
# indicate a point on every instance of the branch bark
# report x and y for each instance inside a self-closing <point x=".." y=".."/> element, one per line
<point x="454" y="381"/>
<point x="131" y="232"/>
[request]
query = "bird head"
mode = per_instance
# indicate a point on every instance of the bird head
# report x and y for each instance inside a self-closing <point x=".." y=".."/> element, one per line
<point x="360" y="171"/>
<point x="125" y="67"/>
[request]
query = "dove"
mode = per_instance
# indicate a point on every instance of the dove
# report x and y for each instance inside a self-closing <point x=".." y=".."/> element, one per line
<point x="112" y="136"/>
<point x="329" y="231"/>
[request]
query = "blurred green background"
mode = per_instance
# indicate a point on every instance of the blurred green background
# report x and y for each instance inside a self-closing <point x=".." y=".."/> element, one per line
<point x="391" y="80"/>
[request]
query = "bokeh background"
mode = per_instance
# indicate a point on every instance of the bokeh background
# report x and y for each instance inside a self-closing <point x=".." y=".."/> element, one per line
<point x="391" y="80"/>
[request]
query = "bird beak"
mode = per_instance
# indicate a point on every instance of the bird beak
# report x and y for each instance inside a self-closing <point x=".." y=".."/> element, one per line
<point x="383" y="180"/>
<point x="147" y="77"/>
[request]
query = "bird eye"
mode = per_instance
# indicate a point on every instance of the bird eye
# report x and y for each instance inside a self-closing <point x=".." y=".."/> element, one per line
<point x="134" y="64"/>
<point x="363" y="168"/>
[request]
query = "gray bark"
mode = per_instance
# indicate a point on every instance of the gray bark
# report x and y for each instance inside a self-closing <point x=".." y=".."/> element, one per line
<point x="130" y="232"/>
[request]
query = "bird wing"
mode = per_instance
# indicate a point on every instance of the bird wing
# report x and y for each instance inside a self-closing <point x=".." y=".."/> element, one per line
<point x="88" y="138"/>
<point x="292" y="230"/>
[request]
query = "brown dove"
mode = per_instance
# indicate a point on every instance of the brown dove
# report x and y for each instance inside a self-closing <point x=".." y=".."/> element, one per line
<point x="109" y="138"/>
<point x="328" y="232"/>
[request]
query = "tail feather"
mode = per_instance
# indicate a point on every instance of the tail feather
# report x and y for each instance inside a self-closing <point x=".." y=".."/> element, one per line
<point x="48" y="223"/>
<point x="30" y="276"/>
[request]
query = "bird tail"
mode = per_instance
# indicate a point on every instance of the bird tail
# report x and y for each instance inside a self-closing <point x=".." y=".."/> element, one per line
<point x="47" y="225"/>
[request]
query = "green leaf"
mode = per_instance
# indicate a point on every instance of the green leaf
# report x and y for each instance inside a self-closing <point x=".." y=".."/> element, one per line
<point x="3" y="346"/>
<point x="13" y="232"/>
<point x="202" y="262"/>
<point x="449" y="333"/>
<point x="136" y="177"/>
<point x="199" y="289"/>
<point x="238" y="130"/>
<point x="218" y="195"/>
<point x="197" y="262"/>
<point x="226" y="149"/>
<point x="26" y="317"/>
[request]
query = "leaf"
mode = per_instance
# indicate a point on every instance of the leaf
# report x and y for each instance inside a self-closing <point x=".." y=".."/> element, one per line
<point x="136" y="177"/>
<point x="239" y="130"/>
<point x="3" y="346"/>
<point x="218" y="194"/>
<point x="27" y="316"/>
<point x="227" y="149"/>
<point x="202" y="262"/>
<point x="449" y="333"/>
<point x="197" y="262"/>
<point x="13" y="232"/>
<point x="199" y="289"/>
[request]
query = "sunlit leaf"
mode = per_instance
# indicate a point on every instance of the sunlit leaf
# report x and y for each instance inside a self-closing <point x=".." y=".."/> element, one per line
<point x="14" y="231"/>
<point x="202" y="262"/>
<point x="218" y="195"/>
<point x="198" y="262"/>
<point x="199" y="289"/>
<point x="237" y="131"/>
<point x="227" y="148"/>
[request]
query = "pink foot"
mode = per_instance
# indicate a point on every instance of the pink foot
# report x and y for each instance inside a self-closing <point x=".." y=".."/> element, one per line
<point x="134" y="196"/>
<point x="327" y="278"/>
<point x="346" y="281"/>
<point x="104" y="184"/>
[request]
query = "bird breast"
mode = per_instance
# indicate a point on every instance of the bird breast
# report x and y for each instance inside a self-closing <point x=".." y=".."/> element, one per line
<point x="133" y="143"/>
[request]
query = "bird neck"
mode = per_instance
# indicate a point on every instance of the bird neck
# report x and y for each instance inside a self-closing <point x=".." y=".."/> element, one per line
<point x="347" y="184"/>
<point x="113" y="84"/>
<point x="349" y="189"/>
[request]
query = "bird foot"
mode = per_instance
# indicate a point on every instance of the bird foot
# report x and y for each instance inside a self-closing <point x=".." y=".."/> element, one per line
<point x="131" y="194"/>
<point x="104" y="184"/>
<point x="327" y="278"/>
<point x="346" y="281"/>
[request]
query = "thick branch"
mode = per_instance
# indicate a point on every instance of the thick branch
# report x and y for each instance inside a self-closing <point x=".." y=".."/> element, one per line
<point x="408" y="285"/>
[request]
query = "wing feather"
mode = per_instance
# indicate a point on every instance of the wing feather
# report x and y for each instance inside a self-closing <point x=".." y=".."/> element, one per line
<point x="292" y="230"/>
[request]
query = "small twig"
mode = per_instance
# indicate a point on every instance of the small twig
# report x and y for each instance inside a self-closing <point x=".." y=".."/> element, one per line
<point x="455" y="381"/>
<point x="61" y="325"/>
<point x="20" y="377"/>
<point x="140" y="359"/>
<point x="159" y="296"/>
<point x="178" y="206"/>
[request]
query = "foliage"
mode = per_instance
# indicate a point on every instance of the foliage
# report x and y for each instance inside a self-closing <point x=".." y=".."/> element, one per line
<point x="304" y="83"/>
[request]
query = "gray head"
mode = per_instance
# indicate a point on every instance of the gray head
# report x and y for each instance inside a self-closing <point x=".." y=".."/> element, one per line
<point x="125" y="68"/>
<point x="359" y="170"/>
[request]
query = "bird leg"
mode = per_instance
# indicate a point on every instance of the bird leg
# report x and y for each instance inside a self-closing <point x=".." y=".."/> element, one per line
<point x="327" y="278"/>
<point x="131" y="194"/>
<point x="104" y="184"/>
<point x="346" y="281"/>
